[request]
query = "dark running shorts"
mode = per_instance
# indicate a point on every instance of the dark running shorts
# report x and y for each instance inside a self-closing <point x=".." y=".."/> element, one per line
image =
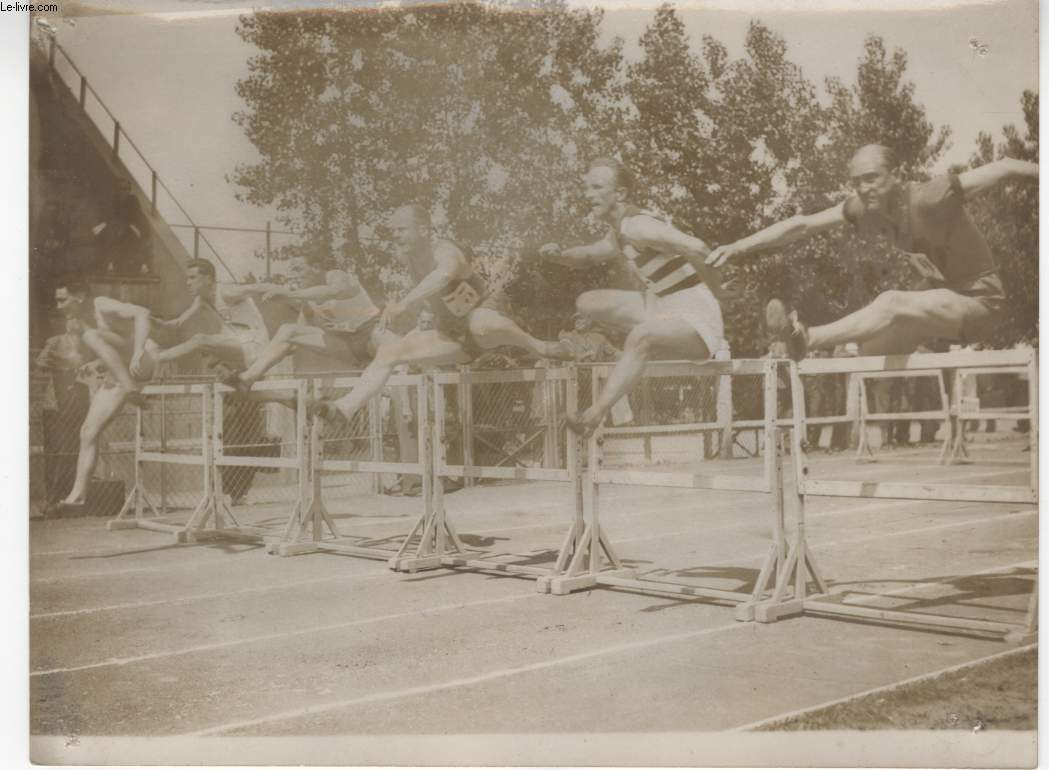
<point x="459" y="328"/>
<point x="359" y="340"/>
<point x="989" y="292"/>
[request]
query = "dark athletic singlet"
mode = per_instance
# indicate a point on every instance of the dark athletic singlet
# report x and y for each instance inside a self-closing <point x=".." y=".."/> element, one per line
<point x="454" y="304"/>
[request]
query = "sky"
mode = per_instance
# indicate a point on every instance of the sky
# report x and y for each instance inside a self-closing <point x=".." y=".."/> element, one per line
<point x="169" y="75"/>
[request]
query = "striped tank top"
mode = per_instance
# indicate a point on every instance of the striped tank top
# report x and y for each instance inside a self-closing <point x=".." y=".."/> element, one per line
<point x="663" y="274"/>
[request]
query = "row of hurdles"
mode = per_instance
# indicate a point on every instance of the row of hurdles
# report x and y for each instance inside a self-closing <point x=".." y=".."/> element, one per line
<point x="789" y="582"/>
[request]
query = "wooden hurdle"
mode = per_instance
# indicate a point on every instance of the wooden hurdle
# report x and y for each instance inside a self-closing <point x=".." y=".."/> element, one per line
<point x="140" y="511"/>
<point x="864" y="450"/>
<point x="965" y="411"/>
<point x="443" y="547"/>
<point x="213" y="516"/>
<point x="588" y="558"/>
<point x="792" y="594"/>
<point x="311" y="529"/>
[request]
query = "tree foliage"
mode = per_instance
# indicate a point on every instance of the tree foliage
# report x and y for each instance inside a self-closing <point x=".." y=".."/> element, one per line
<point x="488" y="116"/>
<point x="1008" y="216"/>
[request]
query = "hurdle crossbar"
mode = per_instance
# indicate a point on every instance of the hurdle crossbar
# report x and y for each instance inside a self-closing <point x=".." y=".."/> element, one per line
<point x="792" y="595"/>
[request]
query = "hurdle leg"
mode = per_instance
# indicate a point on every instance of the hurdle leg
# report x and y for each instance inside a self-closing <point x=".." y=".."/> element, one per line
<point x="591" y="542"/>
<point x="1029" y="631"/>
<point x="435" y="533"/>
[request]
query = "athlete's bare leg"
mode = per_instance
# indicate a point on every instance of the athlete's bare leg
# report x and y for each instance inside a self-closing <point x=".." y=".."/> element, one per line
<point x="285" y="341"/>
<point x="106" y="404"/>
<point x="622" y="310"/>
<point x="107" y="345"/>
<point x="417" y="348"/>
<point x="492" y="329"/>
<point x="643" y="342"/>
<point x="223" y="347"/>
<point x="897" y="321"/>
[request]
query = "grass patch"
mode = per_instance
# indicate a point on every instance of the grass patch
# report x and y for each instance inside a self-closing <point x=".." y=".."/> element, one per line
<point x="1000" y="694"/>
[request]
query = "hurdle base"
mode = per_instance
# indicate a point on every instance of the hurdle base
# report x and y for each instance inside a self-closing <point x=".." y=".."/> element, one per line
<point x="489" y="565"/>
<point x="177" y="530"/>
<point x="562" y="585"/>
<point x="415" y="563"/>
<point x="770" y="612"/>
<point x="291" y="549"/>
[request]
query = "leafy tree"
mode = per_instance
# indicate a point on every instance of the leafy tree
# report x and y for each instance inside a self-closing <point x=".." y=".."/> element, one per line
<point x="1008" y="216"/>
<point x="355" y="113"/>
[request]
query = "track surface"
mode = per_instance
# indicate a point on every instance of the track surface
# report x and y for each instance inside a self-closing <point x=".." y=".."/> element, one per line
<point x="133" y="636"/>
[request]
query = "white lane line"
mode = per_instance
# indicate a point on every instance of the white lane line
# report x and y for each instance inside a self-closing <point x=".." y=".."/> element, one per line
<point x="769" y="721"/>
<point x="837" y="513"/>
<point x="207" y="597"/>
<point x="281" y="635"/>
<point x="321" y="629"/>
<point x="333" y="578"/>
<point x="464" y="681"/>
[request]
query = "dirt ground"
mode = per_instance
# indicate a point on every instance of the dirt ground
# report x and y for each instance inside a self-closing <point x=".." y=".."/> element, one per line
<point x="133" y="635"/>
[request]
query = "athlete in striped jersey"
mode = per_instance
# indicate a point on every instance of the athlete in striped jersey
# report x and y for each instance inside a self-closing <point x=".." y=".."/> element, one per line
<point x="675" y="311"/>
<point x="468" y="318"/>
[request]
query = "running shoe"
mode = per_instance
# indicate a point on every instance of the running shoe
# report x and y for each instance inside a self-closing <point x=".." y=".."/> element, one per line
<point x="782" y="322"/>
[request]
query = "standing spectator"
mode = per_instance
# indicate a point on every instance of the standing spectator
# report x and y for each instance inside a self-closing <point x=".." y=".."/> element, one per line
<point x="61" y="358"/>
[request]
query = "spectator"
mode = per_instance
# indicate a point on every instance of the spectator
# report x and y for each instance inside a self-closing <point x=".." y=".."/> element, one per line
<point x="587" y="345"/>
<point x="62" y="357"/>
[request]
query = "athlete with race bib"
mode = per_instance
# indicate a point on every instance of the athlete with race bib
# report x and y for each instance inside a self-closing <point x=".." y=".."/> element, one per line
<point x="468" y="318"/>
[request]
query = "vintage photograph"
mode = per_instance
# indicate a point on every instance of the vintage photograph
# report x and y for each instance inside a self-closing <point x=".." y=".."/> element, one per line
<point x="542" y="383"/>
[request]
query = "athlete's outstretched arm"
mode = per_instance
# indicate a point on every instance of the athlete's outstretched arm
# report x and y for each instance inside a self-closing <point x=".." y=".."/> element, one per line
<point x="183" y="317"/>
<point x="664" y="237"/>
<point x="984" y="178"/>
<point x="337" y="285"/>
<point x="780" y="234"/>
<point x="451" y="265"/>
<point x="603" y="250"/>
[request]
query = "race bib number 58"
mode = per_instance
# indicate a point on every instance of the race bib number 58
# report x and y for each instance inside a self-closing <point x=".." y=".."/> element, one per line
<point x="462" y="300"/>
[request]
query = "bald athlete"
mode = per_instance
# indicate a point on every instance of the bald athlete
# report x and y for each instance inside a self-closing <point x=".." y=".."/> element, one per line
<point x="961" y="296"/>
